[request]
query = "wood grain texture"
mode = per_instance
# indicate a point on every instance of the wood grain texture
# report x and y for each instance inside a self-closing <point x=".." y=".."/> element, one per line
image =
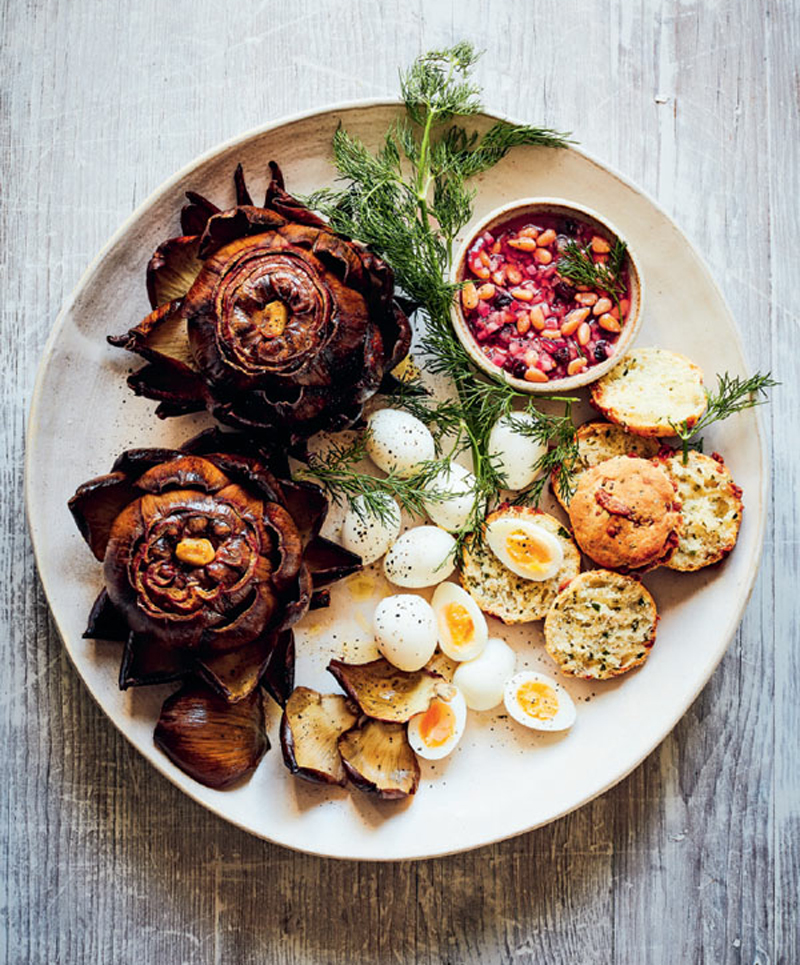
<point x="693" y="858"/>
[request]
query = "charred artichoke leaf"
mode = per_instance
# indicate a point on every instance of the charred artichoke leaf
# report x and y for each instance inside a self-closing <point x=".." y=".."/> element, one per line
<point x="195" y="215"/>
<point x="215" y="742"/>
<point x="161" y="336"/>
<point x="328" y="562"/>
<point x="145" y="661"/>
<point x="378" y="758"/>
<point x="242" y="194"/>
<point x="235" y="674"/>
<point x="105" y="621"/>
<point x="310" y="729"/>
<point x="172" y="269"/>
<point x="278" y="677"/>
<point x="386" y="693"/>
<point x="95" y="506"/>
<point x="134" y="462"/>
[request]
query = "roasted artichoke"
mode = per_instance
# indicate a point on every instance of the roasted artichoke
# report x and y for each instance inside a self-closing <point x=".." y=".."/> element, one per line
<point x="209" y="560"/>
<point x="266" y="318"/>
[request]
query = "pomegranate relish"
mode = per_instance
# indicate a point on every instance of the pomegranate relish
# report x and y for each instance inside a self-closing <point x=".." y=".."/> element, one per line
<point x="524" y="306"/>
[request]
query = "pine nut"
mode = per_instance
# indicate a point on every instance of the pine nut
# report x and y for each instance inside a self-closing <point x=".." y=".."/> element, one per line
<point x="529" y="232"/>
<point x="486" y="291"/>
<point x="496" y="248"/>
<point x="551" y="333"/>
<point x="469" y="296"/>
<point x="481" y="272"/>
<point x="522" y="294"/>
<point x="582" y="288"/>
<point x="600" y="246"/>
<point x="586" y="298"/>
<point x="542" y="256"/>
<point x="523" y="322"/>
<point x="522" y="244"/>
<point x="514" y="275"/>
<point x="485" y="261"/>
<point x="546" y="238"/>
<point x="609" y="323"/>
<point x="537" y="317"/>
<point x="584" y="334"/>
<point x="602" y="306"/>
<point x="531" y="358"/>
<point x="535" y="375"/>
<point x="576" y="365"/>
<point x="499" y="277"/>
<point x="573" y="320"/>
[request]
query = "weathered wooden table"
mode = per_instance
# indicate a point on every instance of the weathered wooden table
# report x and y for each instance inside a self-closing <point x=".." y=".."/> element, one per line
<point x="693" y="858"/>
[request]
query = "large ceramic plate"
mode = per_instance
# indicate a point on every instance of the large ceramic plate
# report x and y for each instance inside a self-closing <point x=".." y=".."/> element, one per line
<point x="503" y="779"/>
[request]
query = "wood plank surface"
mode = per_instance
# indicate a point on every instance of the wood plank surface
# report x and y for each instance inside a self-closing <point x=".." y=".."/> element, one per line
<point x="695" y="858"/>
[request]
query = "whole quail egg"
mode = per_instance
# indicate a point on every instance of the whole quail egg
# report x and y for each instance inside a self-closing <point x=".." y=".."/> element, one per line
<point x="405" y="630"/>
<point x="515" y="453"/>
<point x="370" y="534"/>
<point x="454" y="487"/>
<point x="398" y="443"/>
<point x="422" y="556"/>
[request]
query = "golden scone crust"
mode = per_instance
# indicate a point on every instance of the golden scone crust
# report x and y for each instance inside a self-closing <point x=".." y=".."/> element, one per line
<point x="711" y="505"/>
<point x="598" y="441"/>
<point x="503" y="594"/>
<point x="649" y="389"/>
<point x="624" y="514"/>
<point x="602" y="625"/>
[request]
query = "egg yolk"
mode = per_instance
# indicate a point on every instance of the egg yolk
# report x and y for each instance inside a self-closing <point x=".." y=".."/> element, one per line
<point x="459" y="623"/>
<point x="437" y="724"/>
<point x="538" y="700"/>
<point x="525" y="550"/>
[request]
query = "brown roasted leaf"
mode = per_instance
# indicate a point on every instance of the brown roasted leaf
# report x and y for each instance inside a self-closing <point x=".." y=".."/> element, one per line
<point x="384" y="692"/>
<point x="310" y="729"/>
<point x="379" y="759"/>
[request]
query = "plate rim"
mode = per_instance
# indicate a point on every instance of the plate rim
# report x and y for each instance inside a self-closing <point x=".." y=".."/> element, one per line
<point x="31" y="433"/>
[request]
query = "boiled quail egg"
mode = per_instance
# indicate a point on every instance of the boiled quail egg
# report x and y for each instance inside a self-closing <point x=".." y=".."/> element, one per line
<point x="370" y="534"/>
<point x="526" y="548"/>
<point x="405" y="630"/>
<point x="538" y="702"/>
<point x="398" y="443"/>
<point x="515" y="454"/>
<point x="434" y="733"/>
<point x="422" y="556"/>
<point x="454" y="489"/>
<point x="463" y="631"/>
<point x="482" y="680"/>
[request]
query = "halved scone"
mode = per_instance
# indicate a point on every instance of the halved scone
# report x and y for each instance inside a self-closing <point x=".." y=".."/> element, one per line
<point x="625" y="514"/>
<point x="500" y="592"/>
<point x="711" y="505"/>
<point x="600" y="626"/>
<point x="598" y="441"/>
<point x="650" y="390"/>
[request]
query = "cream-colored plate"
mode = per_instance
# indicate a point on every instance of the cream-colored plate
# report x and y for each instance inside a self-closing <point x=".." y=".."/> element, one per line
<point x="503" y="779"/>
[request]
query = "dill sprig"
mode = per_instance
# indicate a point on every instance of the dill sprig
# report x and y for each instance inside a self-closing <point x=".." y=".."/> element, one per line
<point x="733" y="394"/>
<point x="577" y="265"/>
<point x="407" y="202"/>
<point x="336" y="471"/>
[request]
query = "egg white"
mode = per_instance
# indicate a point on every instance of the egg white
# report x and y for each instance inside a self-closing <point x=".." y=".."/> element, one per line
<point x="368" y="535"/>
<point x="500" y="530"/>
<point x="459" y="708"/>
<point x="422" y="556"/>
<point x="446" y="594"/>
<point x="482" y="680"/>
<point x="564" y="717"/>
<point x="398" y="442"/>
<point x="515" y="454"/>
<point x="405" y="630"/>
<point x="452" y="511"/>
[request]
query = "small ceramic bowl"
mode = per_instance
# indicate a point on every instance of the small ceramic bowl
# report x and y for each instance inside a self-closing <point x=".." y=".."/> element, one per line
<point x="559" y="208"/>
